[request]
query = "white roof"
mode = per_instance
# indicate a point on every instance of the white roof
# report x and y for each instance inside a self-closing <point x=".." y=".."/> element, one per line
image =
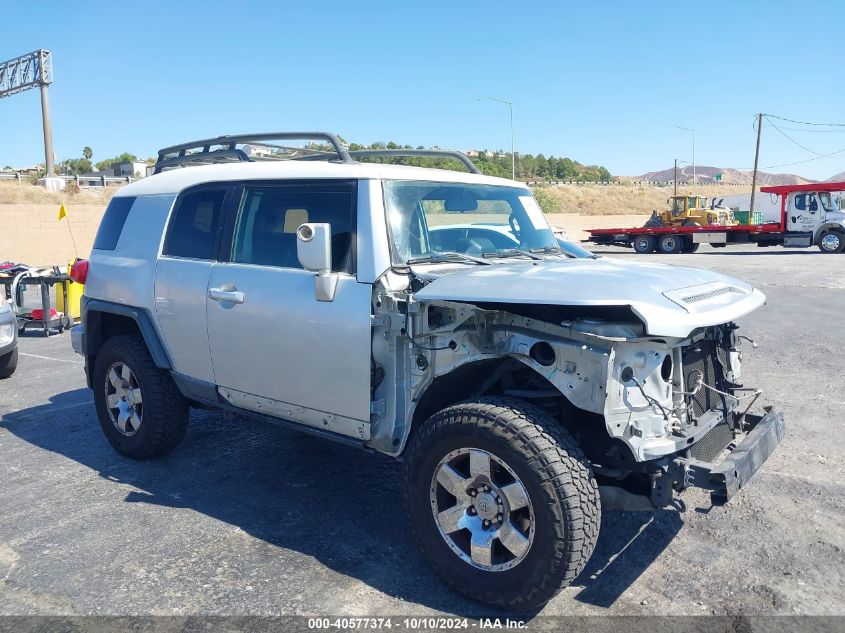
<point x="175" y="180"/>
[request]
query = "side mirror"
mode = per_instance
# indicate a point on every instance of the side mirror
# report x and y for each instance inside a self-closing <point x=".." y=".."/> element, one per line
<point x="314" y="250"/>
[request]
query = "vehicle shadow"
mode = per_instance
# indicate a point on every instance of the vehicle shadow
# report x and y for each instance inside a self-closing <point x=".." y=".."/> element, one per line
<point x="340" y="505"/>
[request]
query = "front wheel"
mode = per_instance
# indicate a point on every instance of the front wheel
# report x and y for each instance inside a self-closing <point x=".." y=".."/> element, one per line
<point x="502" y="501"/>
<point x="832" y="242"/>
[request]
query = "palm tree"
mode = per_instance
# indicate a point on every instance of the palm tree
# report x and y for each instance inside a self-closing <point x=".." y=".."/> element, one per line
<point x="87" y="153"/>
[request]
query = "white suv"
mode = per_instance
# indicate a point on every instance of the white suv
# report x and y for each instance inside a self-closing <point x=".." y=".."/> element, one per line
<point x="511" y="380"/>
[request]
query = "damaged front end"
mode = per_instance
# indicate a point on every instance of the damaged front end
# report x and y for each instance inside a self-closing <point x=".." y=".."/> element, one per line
<point x="657" y="412"/>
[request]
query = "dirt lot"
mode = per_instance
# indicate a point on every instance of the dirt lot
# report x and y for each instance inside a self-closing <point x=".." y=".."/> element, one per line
<point x="248" y="519"/>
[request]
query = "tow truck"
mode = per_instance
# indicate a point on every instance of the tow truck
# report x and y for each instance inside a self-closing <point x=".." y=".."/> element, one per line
<point x="809" y="216"/>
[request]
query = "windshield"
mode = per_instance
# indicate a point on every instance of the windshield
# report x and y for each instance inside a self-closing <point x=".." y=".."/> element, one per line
<point x="828" y="202"/>
<point x="429" y="218"/>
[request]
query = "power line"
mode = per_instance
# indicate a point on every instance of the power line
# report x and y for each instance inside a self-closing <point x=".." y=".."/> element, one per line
<point x="790" y="139"/>
<point x="806" y="131"/>
<point x="809" y="160"/>
<point x="774" y="116"/>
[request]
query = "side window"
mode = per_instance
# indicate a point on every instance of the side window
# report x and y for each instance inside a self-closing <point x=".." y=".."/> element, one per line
<point x="811" y="202"/>
<point x="193" y="227"/>
<point x="801" y="202"/>
<point x="112" y="223"/>
<point x="269" y="216"/>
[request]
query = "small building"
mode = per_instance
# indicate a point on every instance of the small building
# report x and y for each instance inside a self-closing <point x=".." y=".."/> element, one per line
<point x="134" y="169"/>
<point x="257" y="151"/>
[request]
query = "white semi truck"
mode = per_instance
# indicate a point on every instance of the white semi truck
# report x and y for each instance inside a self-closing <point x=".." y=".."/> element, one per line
<point x="792" y="216"/>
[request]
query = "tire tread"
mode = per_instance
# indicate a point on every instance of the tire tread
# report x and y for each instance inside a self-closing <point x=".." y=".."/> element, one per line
<point x="560" y="464"/>
<point x="165" y="408"/>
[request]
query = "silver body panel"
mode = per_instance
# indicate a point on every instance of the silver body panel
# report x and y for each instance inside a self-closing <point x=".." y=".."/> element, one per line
<point x="646" y="288"/>
<point x="259" y="336"/>
<point x="9" y="328"/>
<point x="283" y="344"/>
<point x="180" y="308"/>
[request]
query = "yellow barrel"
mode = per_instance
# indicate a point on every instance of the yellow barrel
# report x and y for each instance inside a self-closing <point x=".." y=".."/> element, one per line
<point x="74" y="297"/>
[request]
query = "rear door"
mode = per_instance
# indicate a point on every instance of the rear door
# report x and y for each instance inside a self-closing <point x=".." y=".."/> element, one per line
<point x="275" y="348"/>
<point x="188" y="253"/>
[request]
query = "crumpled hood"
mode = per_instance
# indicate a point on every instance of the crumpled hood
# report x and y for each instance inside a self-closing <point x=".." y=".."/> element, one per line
<point x="670" y="300"/>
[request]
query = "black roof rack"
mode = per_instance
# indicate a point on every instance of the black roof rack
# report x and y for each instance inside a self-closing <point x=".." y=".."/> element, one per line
<point x="224" y="149"/>
<point x="425" y="153"/>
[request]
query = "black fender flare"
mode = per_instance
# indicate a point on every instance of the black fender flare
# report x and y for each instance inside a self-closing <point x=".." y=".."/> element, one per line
<point x="92" y="311"/>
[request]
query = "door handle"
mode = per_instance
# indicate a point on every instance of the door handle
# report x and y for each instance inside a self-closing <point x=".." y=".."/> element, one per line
<point x="233" y="296"/>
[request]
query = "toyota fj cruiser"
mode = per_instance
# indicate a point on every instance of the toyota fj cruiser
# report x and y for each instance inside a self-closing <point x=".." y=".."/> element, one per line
<point x="508" y="377"/>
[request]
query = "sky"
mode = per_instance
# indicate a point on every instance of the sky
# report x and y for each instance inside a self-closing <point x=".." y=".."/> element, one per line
<point x="599" y="82"/>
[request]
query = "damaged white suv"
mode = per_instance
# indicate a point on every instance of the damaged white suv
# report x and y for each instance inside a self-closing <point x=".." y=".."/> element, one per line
<point x="510" y="378"/>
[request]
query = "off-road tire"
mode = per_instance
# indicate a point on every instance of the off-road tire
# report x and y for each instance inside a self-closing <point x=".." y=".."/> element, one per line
<point x="644" y="244"/>
<point x="166" y="411"/>
<point x="556" y="475"/>
<point x="838" y="235"/>
<point x="8" y="363"/>
<point x="670" y="244"/>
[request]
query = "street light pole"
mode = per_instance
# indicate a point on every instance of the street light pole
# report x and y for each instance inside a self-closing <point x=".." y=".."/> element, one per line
<point x="680" y="127"/>
<point x="513" y="151"/>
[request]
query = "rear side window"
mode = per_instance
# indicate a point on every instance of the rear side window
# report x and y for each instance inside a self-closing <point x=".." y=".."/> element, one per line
<point x="194" y="224"/>
<point x="112" y="223"/>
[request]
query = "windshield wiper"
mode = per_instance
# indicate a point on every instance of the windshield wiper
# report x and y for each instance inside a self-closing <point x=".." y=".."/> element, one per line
<point x="512" y="252"/>
<point x="552" y="250"/>
<point x="447" y="256"/>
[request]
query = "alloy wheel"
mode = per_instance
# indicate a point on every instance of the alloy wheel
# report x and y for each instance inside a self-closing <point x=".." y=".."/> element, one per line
<point x="482" y="509"/>
<point x="124" y="399"/>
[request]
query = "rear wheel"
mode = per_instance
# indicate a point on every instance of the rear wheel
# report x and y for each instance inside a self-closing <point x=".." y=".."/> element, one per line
<point x="644" y="244"/>
<point x="8" y="363"/>
<point x="689" y="245"/>
<point x="139" y="407"/>
<point x="832" y="241"/>
<point x="502" y="501"/>
<point x="670" y="244"/>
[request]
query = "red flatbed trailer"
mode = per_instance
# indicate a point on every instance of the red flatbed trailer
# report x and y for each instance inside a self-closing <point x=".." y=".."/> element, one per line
<point x="824" y="225"/>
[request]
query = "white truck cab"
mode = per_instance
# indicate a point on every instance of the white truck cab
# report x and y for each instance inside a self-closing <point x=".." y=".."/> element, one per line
<point x="807" y="215"/>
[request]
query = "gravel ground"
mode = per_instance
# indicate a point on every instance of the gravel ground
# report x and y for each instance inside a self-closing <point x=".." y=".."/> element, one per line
<point x="244" y="518"/>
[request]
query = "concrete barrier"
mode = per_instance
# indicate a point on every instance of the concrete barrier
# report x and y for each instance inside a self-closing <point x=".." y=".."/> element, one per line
<point x="32" y="234"/>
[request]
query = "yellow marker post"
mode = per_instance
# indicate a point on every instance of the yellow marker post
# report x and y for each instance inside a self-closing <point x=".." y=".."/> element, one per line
<point x="74" y="290"/>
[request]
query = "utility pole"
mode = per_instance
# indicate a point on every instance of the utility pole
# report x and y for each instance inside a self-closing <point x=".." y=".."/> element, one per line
<point x="675" y="179"/>
<point x="513" y="152"/>
<point x="689" y="129"/>
<point x="756" y="161"/>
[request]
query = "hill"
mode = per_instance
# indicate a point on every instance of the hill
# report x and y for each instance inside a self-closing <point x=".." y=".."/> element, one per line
<point x="706" y="174"/>
<point x="840" y="177"/>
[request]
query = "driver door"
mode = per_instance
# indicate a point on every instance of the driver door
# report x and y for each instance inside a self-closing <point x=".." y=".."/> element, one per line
<point x="276" y="349"/>
<point x="803" y="215"/>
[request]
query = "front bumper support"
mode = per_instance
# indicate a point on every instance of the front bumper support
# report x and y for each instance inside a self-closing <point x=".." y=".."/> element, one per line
<point x="725" y="478"/>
